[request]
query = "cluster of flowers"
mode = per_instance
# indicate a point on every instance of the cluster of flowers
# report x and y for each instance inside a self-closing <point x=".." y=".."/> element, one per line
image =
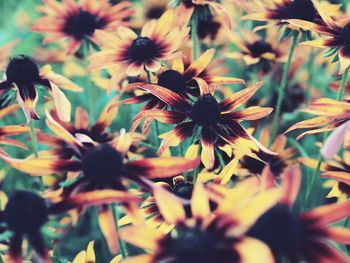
<point x="188" y="181"/>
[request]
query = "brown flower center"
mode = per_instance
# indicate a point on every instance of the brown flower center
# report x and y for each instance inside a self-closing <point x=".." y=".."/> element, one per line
<point x="102" y="166"/>
<point x="279" y="228"/>
<point x="206" y="111"/>
<point x="259" y="47"/>
<point x="301" y="9"/>
<point x="345" y="34"/>
<point x="83" y="24"/>
<point x="22" y="70"/>
<point x="25" y="212"/>
<point x="142" y="49"/>
<point x="172" y="80"/>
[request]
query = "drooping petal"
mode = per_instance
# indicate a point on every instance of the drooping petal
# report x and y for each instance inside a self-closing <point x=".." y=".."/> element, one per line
<point x="41" y="166"/>
<point x="208" y="154"/>
<point x="174" y="137"/>
<point x="38" y="245"/>
<point x="248" y="114"/>
<point x="239" y="98"/>
<point x="327" y="214"/>
<point x="141" y="236"/>
<point x="62" y="104"/>
<point x="338" y="234"/>
<point x="200" y="64"/>
<point x="27" y="97"/>
<point x="93" y="198"/>
<point x="169" y="206"/>
<point x="200" y="202"/>
<point x="261" y="251"/>
<point x="335" y="141"/>
<point x="291" y="179"/>
<point x="15" y="249"/>
<point x="344" y="59"/>
<point x="169" y="97"/>
<point x="160" y="167"/>
<point x="107" y="116"/>
<point x="108" y="228"/>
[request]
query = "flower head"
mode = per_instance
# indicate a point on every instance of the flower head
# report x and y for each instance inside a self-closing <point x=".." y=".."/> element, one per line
<point x="131" y="53"/>
<point x="23" y="74"/>
<point x="79" y="20"/>
<point x="212" y="119"/>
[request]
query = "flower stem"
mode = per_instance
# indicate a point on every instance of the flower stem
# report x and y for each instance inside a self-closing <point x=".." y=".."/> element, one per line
<point x="281" y="90"/>
<point x="33" y="139"/>
<point x="156" y="124"/>
<point x="320" y="158"/>
<point x="196" y="171"/>
<point x="343" y="84"/>
<point x="89" y="88"/>
<point x="122" y="245"/>
<point x="194" y="36"/>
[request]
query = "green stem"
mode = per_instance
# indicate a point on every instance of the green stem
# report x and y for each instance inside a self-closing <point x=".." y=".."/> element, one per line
<point x="88" y="87"/>
<point x="343" y="84"/>
<point x="33" y="139"/>
<point x="196" y="171"/>
<point x="286" y="67"/>
<point x="194" y="36"/>
<point x="310" y="79"/>
<point x="122" y="245"/>
<point x="221" y="160"/>
<point x="156" y="124"/>
<point x="320" y="158"/>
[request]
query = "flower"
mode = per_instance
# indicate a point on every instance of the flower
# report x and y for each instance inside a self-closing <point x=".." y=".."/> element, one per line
<point x="79" y="21"/>
<point x="337" y="35"/>
<point x="204" y="11"/>
<point x="277" y="13"/>
<point x="253" y="49"/>
<point x="81" y="130"/>
<point x="159" y="40"/>
<point x="204" y="237"/>
<point x="24" y="215"/>
<point x="254" y="164"/>
<point x="216" y="120"/>
<point x="338" y="170"/>
<point x="23" y="74"/>
<point x="330" y="115"/>
<point x="308" y="235"/>
<point x="97" y="174"/>
<point x="183" y="79"/>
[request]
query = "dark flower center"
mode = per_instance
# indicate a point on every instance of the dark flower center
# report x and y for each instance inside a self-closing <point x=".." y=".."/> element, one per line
<point x="206" y="111"/>
<point x="194" y="245"/>
<point x="345" y="34"/>
<point x="22" y="70"/>
<point x="301" y="9"/>
<point x="102" y="166"/>
<point x="183" y="190"/>
<point x="142" y="49"/>
<point x="25" y="212"/>
<point x="208" y="28"/>
<point x="344" y="187"/>
<point x="155" y="12"/>
<point x="172" y="80"/>
<point x="82" y="24"/>
<point x="259" y="47"/>
<point x="279" y="228"/>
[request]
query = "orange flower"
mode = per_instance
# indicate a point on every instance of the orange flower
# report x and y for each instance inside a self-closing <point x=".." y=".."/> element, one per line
<point x="212" y="119"/>
<point x="78" y="21"/>
<point x="23" y="74"/>
<point x="159" y="40"/>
